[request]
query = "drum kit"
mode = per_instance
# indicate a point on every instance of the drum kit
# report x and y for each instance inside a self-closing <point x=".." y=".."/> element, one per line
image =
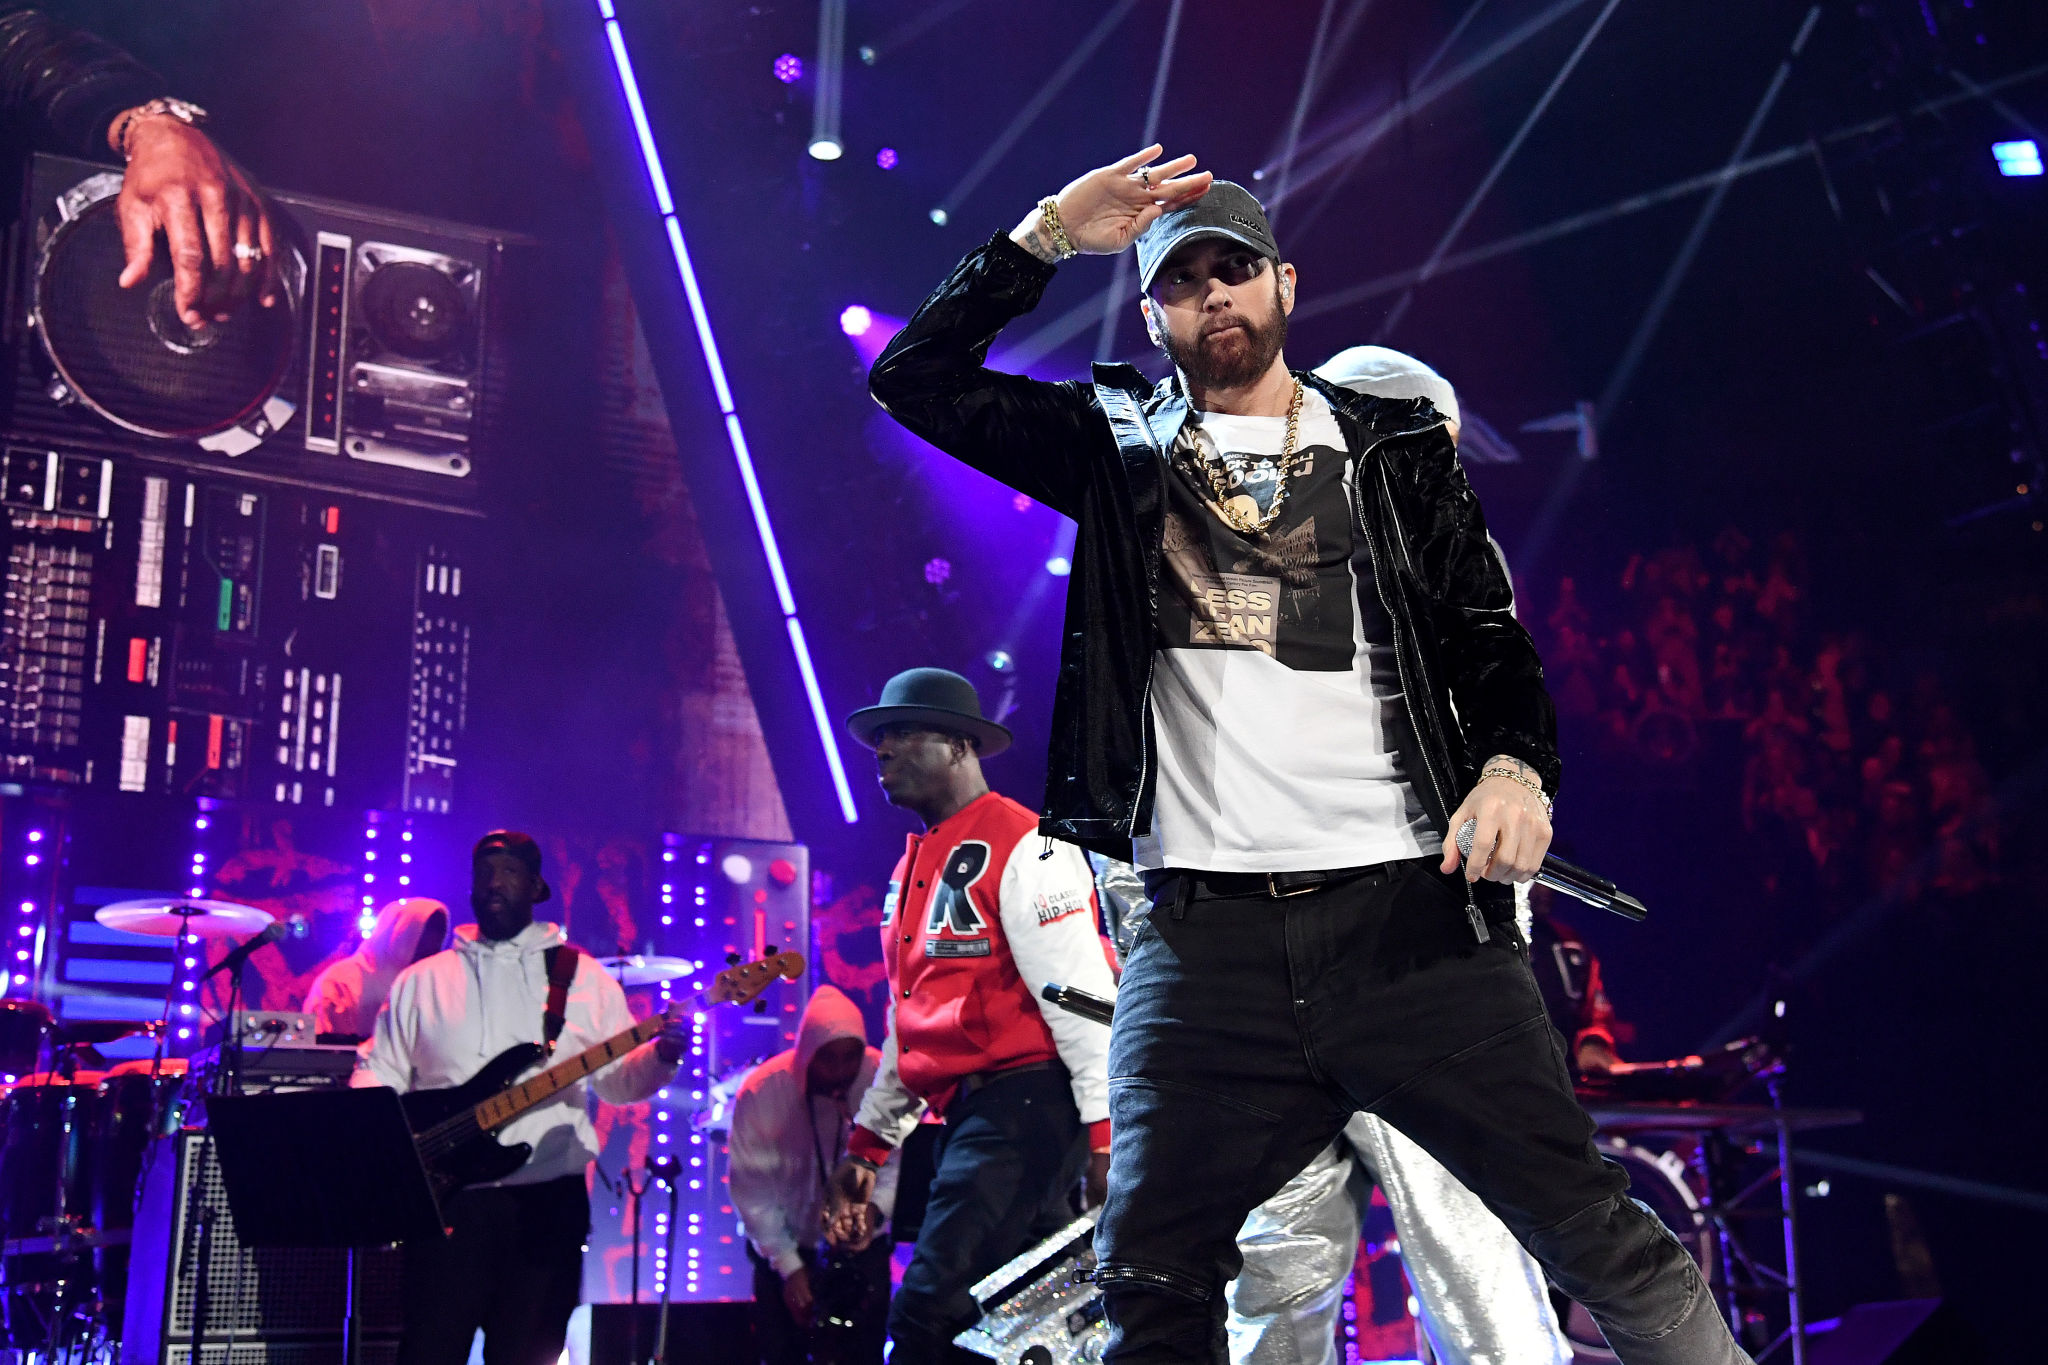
<point x="75" y="1139"/>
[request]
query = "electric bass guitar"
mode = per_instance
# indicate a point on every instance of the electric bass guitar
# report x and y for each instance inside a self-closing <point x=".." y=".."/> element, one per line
<point x="456" y="1127"/>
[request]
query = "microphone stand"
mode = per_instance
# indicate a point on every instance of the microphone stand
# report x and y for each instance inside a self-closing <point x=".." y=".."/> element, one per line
<point x="634" y="1192"/>
<point x="668" y="1170"/>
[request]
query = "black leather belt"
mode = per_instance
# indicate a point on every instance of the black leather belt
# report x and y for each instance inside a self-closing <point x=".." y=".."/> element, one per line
<point x="975" y="1080"/>
<point x="1277" y="886"/>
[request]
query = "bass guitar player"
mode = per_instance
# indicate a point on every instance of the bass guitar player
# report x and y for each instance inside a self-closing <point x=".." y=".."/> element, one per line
<point x="512" y="1263"/>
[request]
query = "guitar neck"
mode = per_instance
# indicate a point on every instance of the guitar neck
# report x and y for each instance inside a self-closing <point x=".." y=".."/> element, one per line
<point x="508" y="1104"/>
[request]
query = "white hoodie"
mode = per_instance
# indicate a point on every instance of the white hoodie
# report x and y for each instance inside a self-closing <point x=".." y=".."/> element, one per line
<point x="453" y="1012"/>
<point x="347" y="994"/>
<point x="781" y="1136"/>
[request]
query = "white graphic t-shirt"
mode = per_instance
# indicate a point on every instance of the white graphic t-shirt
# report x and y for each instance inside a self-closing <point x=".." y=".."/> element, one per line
<point x="1276" y="701"/>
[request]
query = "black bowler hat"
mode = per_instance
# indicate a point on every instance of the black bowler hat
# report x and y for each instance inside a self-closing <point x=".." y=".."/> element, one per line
<point x="934" y="697"/>
<point x="1226" y="210"/>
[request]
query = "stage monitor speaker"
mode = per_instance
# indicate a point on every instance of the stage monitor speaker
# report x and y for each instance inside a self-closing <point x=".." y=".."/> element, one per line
<point x="701" y="1333"/>
<point x="1901" y="1332"/>
<point x="193" y="1287"/>
<point x="377" y="368"/>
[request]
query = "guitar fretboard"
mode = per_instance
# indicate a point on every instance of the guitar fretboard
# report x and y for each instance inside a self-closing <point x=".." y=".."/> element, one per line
<point x="509" y="1103"/>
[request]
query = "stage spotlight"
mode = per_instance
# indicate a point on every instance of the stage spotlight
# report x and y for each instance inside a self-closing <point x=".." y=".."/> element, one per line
<point x="867" y="54"/>
<point x="1059" y="566"/>
<point x="854" y="320"/>
<point x="789" y="68"/>
<point x="826" y="144"/>
<point x="886" y="158"/>
<point x="2017" y="158"/>
<point x="939" y="217"/>
<point x="937" y="571"/>
<point x="1000" y="660"/>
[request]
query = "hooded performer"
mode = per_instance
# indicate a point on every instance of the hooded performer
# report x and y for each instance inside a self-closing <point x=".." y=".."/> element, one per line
<point x="790" y="1123"/>
<point x="345" y="997"/>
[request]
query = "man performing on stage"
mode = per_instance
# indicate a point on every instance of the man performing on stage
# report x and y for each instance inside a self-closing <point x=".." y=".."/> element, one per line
<point x="512" y="1264"/>
<point x="1290" y="674"/>
<point x="1481" y="1298"/>
<point x="982" y="912"/>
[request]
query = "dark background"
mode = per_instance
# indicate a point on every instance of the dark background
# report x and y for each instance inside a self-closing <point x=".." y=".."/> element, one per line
<point x="1784" y="395"/>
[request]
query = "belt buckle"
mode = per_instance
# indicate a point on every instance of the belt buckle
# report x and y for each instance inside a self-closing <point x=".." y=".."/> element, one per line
<point x="1273" y="891"/>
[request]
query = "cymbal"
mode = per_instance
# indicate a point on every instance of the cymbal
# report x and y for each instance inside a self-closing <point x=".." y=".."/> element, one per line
<point x="169" y="916"/>
<point x="1736" y="1120"/>
<point x="639" y="970"/>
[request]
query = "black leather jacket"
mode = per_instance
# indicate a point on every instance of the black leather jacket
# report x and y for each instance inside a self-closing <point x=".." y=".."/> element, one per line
<point x="1097" y="452"/>
<point x="60" y="88"/>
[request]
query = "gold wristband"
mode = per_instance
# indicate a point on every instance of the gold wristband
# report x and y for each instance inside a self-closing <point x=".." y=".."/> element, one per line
<point x="1062" y="245"/>
<point x="1511" y="775"/>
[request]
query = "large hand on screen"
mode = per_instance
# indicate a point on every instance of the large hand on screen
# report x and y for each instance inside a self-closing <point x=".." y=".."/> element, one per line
<point x="212" y="217"/>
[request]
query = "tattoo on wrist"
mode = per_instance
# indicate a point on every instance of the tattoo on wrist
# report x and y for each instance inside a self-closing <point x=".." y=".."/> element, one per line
<point x="1038" y="242"/>
<point x="1503" y="761"/>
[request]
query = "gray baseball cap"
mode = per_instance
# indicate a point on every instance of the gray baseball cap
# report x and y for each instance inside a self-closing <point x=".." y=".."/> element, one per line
<point x="1227" y="210"/>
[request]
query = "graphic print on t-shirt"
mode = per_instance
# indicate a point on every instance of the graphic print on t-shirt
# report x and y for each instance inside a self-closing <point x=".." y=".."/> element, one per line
<point x="1285" y="593"/>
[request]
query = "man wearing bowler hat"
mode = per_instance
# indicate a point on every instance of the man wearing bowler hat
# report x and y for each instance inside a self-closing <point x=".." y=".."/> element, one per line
<point x="1291" y="678"/>
<point x="981" y="913"/>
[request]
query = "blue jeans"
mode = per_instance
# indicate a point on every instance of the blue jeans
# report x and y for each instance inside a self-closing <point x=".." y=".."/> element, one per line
<point x="1249" y="1029"/>
<point x="1011" y="1152"/>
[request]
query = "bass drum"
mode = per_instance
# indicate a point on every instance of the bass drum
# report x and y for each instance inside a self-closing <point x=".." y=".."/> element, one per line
<point x="1659" y="1180"/>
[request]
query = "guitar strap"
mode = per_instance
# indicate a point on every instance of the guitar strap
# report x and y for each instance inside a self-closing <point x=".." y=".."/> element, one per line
<point x="561" y="971"/>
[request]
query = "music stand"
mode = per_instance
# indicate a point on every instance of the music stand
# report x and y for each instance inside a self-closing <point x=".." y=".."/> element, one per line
<point x="324" y="1168"/>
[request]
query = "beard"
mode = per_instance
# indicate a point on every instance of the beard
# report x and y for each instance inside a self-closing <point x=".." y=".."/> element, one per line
<point x="1233" y="354"/>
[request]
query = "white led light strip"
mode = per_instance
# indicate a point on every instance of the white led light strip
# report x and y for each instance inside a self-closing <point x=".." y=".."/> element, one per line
<point x="630" y="86"/>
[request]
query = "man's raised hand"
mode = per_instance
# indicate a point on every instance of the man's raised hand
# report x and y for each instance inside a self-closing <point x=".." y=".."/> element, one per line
<point x="1109" y="208"/>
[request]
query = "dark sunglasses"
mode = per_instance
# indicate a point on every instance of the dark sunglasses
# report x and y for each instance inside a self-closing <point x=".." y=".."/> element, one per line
<point x="1178" y="282"/>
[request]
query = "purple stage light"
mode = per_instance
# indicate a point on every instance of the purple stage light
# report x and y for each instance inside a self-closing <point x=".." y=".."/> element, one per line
<point x="1059" y="566"/>
<point x="886" y="158"/>
<point x="714" y="364"/>
<point x="854" y="320"/>
<point x="789" y="68"/>
<point x="937" y="571"/>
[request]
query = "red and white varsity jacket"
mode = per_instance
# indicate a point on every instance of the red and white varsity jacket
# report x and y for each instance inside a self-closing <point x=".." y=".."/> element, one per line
<point x="977" y="920"/>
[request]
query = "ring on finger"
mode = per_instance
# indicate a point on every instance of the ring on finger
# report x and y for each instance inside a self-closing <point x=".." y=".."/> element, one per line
<point x="248" y="251"/>
<point x="1144" y="176"/>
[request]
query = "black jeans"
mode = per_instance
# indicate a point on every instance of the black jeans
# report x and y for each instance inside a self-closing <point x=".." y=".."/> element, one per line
<point x="1248" y="1029"/>
<point x="512" y="1266"/>
<point x="1012" y="1151"/>
<point x="857" y="1285"/>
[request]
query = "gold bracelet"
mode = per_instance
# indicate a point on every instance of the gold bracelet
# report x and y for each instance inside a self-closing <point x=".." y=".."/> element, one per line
<point x="1511" y="775"/>
<point x="1062" y="245"/>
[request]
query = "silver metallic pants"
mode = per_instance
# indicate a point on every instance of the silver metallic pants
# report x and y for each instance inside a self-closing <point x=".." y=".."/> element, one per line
<point x="1482" y="1298"/>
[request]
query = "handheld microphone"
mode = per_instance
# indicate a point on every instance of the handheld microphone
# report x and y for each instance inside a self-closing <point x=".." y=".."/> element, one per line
<point x="1559" y="875"/>
<point x="1079" y="1002"/>
<point x="241" y="954"/>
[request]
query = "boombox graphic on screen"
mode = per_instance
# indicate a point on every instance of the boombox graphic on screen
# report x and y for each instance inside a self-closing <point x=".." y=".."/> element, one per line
<point x="375" y="368"/>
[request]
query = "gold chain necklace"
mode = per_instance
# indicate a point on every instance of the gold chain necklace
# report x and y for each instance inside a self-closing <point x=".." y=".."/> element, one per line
<point x="1218" y="475"/>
